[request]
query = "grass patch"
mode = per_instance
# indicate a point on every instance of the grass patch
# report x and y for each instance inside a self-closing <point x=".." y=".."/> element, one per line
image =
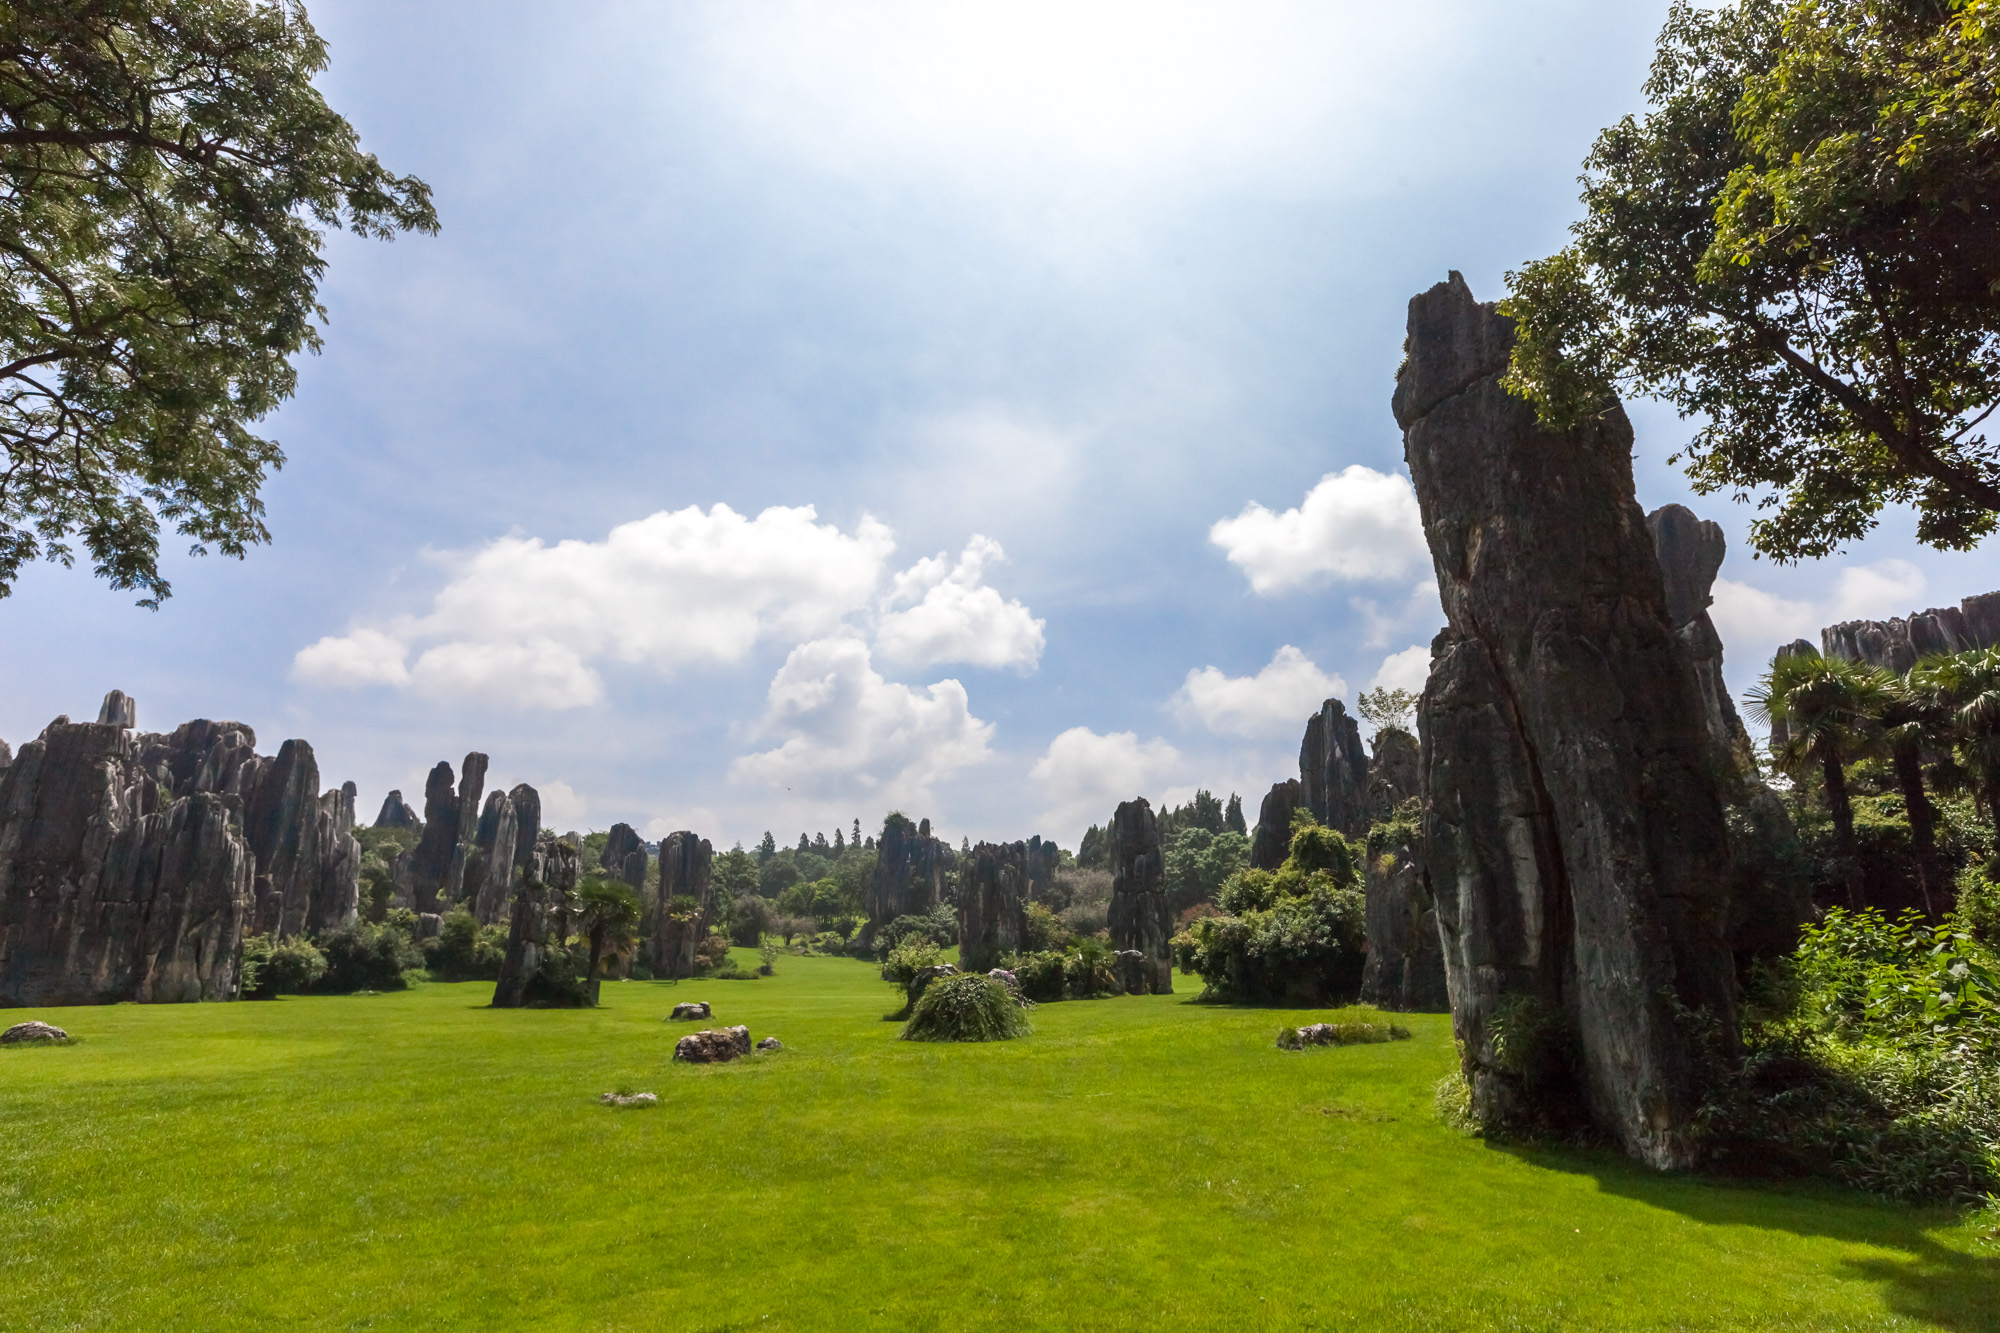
<point x="421" y="1161"/>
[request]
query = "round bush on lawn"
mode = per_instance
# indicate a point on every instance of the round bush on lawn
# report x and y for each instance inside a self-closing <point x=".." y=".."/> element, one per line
<point x="967" y="1007"/>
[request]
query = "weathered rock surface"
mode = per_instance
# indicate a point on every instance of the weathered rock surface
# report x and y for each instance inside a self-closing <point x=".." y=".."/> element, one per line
<point x="112" y="888"/>
<point x="1572" y="831"/>
<point x="712" y="1046"/>
<point x="32" y="1033"/>
<point x="1133" y="971"/>
<point x="687" y="874"/>
<point x="688" y="1009"/>
<point x="336" y="898"/>
<point x="1272" y="842"/>
<point x="625" y="856"/>
<point x="431" y="875"/>
<point x="770" y="1044"/>
<point x="637" y="1100"/>
<point x="539" y="918"/>
<point x="1395" y="772"/>
<point x="1896" y="644"/>
<point x="396" y="813"/>
<point x="527" y="803"/>
<point x="1140" y="918"/>
<point x="6" y="756"/>
<point x="1404" y="971"/>
<point x="119" y="709"/>
<point x="909" y="874"/>
<point x="493" y="859"/>
<point x="995" y="884"/>
<point x="1768" y="898"/>
<point x="1333" y="770"/>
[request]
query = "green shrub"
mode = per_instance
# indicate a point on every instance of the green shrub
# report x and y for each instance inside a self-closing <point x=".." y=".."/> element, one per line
<point x="465" y="951"/>
<point x="712" y="952"/>
<point x="368" y="957"/>
<point x="1305" y="949"/>
<point x="913" y="954"/>
<point x="1087" y="970"/>
<point x="1872" y="1056"/>
<point x="1979" y="906"/>
<point x="967" y="1007"/>
<point x="1042" y="930"/>
<point x="272" y="968"/>
<point x="1040" y="975"/>
<point x="1358" y="1025"/>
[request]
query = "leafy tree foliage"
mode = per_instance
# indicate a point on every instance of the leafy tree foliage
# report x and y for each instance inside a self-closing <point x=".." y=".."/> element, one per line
<point x="1387" y="710"/>
<point x="735" y="874"/>
<point x="1799" y="243"/>
<point x="1294" y="934"/>
<point x="1199" y="862"/>
<point x="168" y="168"/>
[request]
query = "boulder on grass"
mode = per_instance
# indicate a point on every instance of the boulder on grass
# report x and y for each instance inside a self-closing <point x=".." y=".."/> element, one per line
<point x="1133" y="970"/>
<point x="713" y="1045"/>
<point x="692" y="1009"/>
<point x="630" y="1098"/>
<point x="32" y="1033"/>
<point x="770" y="1044"/>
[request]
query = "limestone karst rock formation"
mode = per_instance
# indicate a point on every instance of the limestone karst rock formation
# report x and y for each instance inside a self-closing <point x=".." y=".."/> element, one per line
<point x="1333" y="770"/>
<point x="625" y="856"/>
<point x="1768" y="897"/>
<point x="996" y="882"/>
<point x="1404" y="971"/>
<point x="1272" y="840"/>
<point x="1896" y="644"/>
<point x="1139" y="916"/>
<point x="119" y="709"/>
<point x="687" y="876"/>
<point x="110" y="888"/>
<point x="527" y="803"/>
<point x="396" y="813"/>
<point x="490" y="869"/>
<point x="910" y="866"/>
<point x="1572" y="829"/>
<point x="540" y="918"/>
<point x="1395" y="772"/>
<point x="431" y="876"/>
<point x="6" y="756"/>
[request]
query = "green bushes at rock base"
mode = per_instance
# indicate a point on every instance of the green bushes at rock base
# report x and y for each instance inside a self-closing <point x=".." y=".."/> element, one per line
<point x="966" y="1007"/>
<point x="271" y="968"/>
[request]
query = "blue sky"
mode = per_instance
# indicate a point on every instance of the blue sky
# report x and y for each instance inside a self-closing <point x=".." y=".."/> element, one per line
<point x="808" y="410"/>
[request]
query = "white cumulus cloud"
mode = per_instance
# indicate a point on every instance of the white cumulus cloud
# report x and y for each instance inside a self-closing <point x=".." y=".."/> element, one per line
<point x="1406" y="670"/>
<point x="1274" y="701"/>
<point x="1084" y="776"/>
<point x="365" y="657"/>
<point x="944" y="612"/>
<point x="849" y="731"/>
<point x="1355" y="524"/>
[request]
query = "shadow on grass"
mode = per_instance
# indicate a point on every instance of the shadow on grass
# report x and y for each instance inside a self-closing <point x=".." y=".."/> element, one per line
<point x="1925" y="1280"/>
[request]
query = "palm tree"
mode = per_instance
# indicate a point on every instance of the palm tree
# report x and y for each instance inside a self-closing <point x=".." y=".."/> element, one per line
<point x="1830" y="709"/>
<point x="1966" y="688"/>
<point x="1914" y="720"/>
<point x="607" y="912"/>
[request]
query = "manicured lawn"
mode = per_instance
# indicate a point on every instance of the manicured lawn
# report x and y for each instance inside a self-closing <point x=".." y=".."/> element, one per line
<point x="420" y="1161"/>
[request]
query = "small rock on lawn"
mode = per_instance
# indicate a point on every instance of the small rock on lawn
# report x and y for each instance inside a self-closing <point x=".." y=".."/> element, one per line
<point x="32" y="1032"/>
<point x="712" y="1045"/>
<point x="692" y="1009"/>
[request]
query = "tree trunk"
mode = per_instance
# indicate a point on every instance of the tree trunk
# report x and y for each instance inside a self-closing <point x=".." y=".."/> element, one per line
<point x="1923" y="824"/>
<point x="1843" y="824"/>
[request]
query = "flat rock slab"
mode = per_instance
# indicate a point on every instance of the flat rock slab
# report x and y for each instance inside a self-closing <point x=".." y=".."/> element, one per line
<point x="32" y="1033"/>
<point x="713" y="1045"/>
<point x="692" y="1009"/>
<point x="630" y="1098"/>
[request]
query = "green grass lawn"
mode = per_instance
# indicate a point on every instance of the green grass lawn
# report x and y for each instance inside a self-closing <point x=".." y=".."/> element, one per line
<point x="420" y="1161"/>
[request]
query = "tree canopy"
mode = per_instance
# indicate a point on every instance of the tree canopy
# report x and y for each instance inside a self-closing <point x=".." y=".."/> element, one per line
<point x="168" y="169"/>
<point x="1799" y="242"/>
